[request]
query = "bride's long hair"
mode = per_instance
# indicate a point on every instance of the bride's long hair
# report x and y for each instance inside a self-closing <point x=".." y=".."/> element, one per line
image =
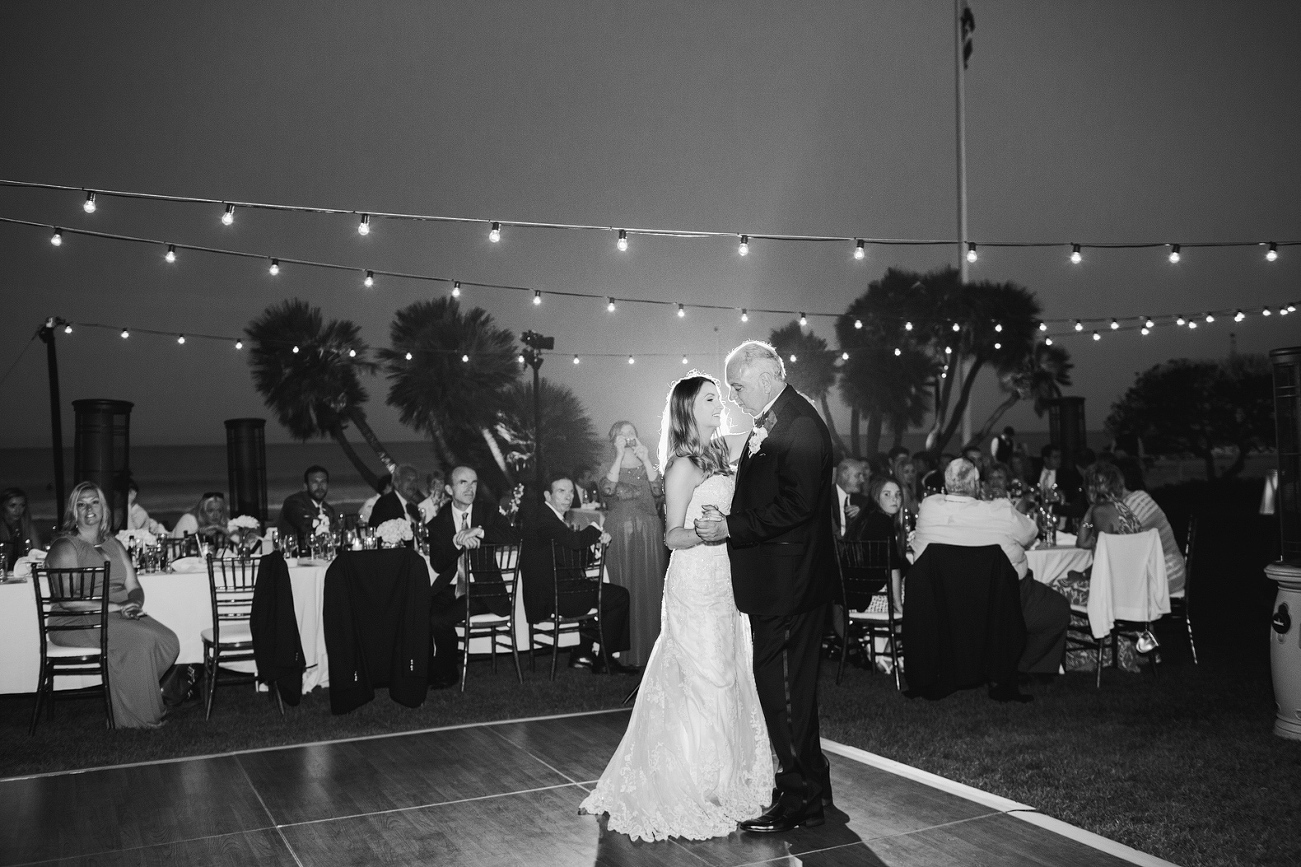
<point x="679" y="436"/>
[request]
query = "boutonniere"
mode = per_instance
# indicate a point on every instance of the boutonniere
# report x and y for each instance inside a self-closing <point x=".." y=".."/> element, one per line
<point x="761" y="431"/>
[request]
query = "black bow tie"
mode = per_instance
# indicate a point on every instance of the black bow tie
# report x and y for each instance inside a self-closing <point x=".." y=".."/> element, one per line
<point x="766" y="420"/>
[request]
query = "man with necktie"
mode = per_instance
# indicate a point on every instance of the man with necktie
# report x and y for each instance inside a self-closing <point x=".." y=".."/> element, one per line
<point x="402" y="501"/>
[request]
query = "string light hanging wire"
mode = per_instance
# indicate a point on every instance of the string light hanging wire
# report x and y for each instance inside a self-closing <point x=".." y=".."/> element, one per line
<point x="1271" y="255"/>
<point x="1076" y="258"/>
<point x="370" y="279"/>
<point x="1174" y="253"/>
<point x="860" y="250"/>
<point x="744" y="248"/>
<point x="456" y="289"/>
<point x="57" y="238"/>
<point x="622" y="243"/>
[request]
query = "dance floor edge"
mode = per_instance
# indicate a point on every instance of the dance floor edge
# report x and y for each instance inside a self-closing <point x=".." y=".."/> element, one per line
<point x="493" y="793"/>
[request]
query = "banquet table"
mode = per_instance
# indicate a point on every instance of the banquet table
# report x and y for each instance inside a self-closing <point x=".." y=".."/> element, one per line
<point x="1052" y="563"/>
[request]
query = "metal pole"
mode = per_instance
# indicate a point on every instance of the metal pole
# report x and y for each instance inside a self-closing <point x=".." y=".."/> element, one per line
<point x="46" y="334"/>
<point x="537" y="427"/>
<point x="961" y="370"/>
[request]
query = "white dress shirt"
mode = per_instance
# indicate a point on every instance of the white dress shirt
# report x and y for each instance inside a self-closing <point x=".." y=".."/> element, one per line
<point x="842" y="497"/>
<point x="949" y="519"/>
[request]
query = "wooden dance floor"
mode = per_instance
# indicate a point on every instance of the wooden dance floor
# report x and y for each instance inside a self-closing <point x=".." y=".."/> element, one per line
<point x="504" y="793"/>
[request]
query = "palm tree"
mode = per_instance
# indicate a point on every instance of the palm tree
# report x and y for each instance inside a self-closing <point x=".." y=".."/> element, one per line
<point x="572" y="445"/>
<point x="1041" y="377"/>
<point x="810" y="367"/>
<point x="308" y="373"/>
<point x="450" y="373"/>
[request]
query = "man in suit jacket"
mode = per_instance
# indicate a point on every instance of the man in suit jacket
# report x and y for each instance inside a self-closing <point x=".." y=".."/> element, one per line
<point x="402" y="501"/>
<point x="851" y="497"/>
<point x="300" y="512"/>
<point x="462" y="524"/>
<point x="779" y="540"/>
<point x="547" y="525"/>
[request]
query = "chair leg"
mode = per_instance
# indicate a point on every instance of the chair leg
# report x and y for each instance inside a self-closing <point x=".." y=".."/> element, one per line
<point x="210" y="679"/>
<point x="844" y="651"/>
<point x="514" y="651"/>
<point x="555" y="647"/>
<point x="465" y="658"/>
<point x="894" y="660"/>
<point x="1188" y="622"/>
<point x="533" y="659"/>
<point x="36" y="711"/>
<point x="280" y="702"/>
<point x="1099" y="666"/>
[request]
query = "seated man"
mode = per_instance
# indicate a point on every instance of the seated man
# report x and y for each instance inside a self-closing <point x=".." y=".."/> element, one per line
<point x="301" y="511"/>
<point x="461" y="524"/>
<point x="382" y="486"/>
<point x="851" y="495"/>
<point x="401" y="502"/>
<point x="547" y="525"/>
<point x="960" y="518"/>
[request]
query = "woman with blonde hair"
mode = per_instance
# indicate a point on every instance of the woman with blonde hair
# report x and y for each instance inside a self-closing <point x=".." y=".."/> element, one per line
<point x="696" y="758"/>
<point x="140" y="649"/>
<point x="631" y="489"/>
<point x="208" y="520"/>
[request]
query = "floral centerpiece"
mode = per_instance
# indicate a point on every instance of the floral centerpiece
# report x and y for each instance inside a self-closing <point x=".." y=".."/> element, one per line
<point x="242" y="532"/>
<point x="394" y="532"/>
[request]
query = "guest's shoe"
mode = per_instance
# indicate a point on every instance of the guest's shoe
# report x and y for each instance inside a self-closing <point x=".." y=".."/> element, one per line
<point x="779" y="820"/>
<point x="615" y="667"/>
<point x="581" y="660"/>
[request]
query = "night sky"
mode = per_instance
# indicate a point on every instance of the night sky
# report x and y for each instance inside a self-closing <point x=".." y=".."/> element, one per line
<point x="1086" y="121"/>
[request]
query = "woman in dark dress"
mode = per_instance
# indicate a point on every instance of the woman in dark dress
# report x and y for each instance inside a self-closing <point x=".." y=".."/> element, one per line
<point x="637" y="558"/>
<point x="16" y="528"/>
<point x="880" y="523"/>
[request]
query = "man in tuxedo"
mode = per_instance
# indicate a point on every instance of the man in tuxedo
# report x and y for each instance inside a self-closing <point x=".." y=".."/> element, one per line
<point x="300" y="512"/>
<point x="782" y="551"/>
<point x="462" y="524"/>
<point x="401" y="502"/>
<point x="547" y="525"/>
<point x="1068" y="480"/>
<point x="851" y="497"/>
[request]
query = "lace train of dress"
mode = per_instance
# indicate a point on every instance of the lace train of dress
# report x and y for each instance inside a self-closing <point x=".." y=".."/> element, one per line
<point x="695" y="759"/>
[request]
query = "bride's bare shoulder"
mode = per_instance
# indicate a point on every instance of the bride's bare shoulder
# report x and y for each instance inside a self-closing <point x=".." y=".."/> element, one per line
<point x="682" y="473"/>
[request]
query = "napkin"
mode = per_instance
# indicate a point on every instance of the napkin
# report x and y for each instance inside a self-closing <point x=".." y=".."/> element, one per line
<point x="23" y="566"/>
<point x="190" y="564"/>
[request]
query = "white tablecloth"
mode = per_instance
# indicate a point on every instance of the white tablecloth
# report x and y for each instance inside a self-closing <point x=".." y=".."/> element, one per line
<point x="1049" y="564"/>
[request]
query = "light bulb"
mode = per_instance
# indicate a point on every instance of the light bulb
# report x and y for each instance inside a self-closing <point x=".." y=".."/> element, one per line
<point x="57" y="238"/>
<point x="1192" y="326"/>
<point x="370" y="279"/>
<point x="409" y="357"/>
<point x="1043" y="326"/>
<point x="363" y="228"/>
<point x="745" y="317"/>
<point x="609" y="306"/>
<point x="1210" y="318"/>
<point x="1271" y="255"/>
<point x="858" y="323"/>
<point x="521" y="358"/>
<point x="1148" y="323"/>
<point x="180" y="338"/>
<point x="171" y="253"/>
<point x="792" y="358"/>
<point x="1265" y="312"/>
<point x="1114" y="325"/>
<point x="239" y="344"/>
<point x="745" y="245"/>
<point x="684" y="359"/>
<point x="860" y="251"/>
<point x="682" y="311"/>
<point x="957" y="327"/>
<point x="537" y="297"/>
<point x="804" y="320"/>
<point x="1079" y="326"/>
<point x="1174" y="253"/>
<point x="575" y="359"/>
<point x="1181" y="321"/>
<point x="125" y="334"/>
<point x="1097" y="336"/>
<point x="275" y="267"/>
<point x="844" y="356"/>
<point x="89" y="206"/>
<point x="465" y="359"/>
<point x="1076" y="258"/>
<point x="631" y="360"/>
<point x="998" y="346"/>
<point x="229" y="216"/>
<point x="998" y="326"/>
<point x="1048" y="341"/>
<point x="295" y="350"/>
<point x="456" y="288"/>
<point x="622" y="243"/>
<point x="1239" y="316"/>
<point x="1145" y="331"/>
<point x="494" y="234"/>
<point x="67" y="329"/>
<point x="908" y="326"/>
<point x="352" y="353"/>
<point x="897" y="352"/>
<point x="948" y="350"/>
<point x="971" y="252"/>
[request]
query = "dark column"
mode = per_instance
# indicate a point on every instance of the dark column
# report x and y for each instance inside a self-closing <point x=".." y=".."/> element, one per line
<point x="1066" y="427"/>
<point x="102" y="453"/>
<point x="1287" y="416"/>
<point x="246" y="466"/>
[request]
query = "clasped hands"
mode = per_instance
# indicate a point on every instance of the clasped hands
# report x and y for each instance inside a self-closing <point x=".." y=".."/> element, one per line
<point x="711" y="527"/>
<point x="132" y="610"/>
<point x="470" y="537"/>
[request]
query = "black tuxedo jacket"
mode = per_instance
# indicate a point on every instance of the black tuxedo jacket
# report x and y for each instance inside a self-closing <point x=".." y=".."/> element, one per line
<point x="298" y="514"/>
<point x="539" y="572"/>
<point x="855" y="523"/>
<point x="387" y="508"/>
<point x="443" y="553"/>
<point x="780" y="530"/>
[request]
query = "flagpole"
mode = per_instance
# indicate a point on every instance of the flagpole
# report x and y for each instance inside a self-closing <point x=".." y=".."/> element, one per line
<point x="959" y="65"/>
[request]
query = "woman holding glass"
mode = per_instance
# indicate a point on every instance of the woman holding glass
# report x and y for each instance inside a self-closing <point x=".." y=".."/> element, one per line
<point x="631" y="488"/>
<point x="140" y="649"/>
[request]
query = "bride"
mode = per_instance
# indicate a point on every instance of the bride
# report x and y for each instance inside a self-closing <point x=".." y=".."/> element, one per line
<point x="695" y="759"/>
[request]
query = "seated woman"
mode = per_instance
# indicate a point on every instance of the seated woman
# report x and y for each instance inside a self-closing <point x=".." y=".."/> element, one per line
<point x="1107" y="513"/>
<point x="880" y="523"/>
<point x="16" y="527"/>
<point x="997" y="484"/>
<point x="207" y="520"/>
<point x="140" y="649"/>
<point x="136" y="516"/>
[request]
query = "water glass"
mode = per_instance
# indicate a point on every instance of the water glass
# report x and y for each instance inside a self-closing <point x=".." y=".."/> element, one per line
<point x="289" y="546"/>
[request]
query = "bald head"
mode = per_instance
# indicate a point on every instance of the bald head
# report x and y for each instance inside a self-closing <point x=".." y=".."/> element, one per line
<point x="463" y="486"/>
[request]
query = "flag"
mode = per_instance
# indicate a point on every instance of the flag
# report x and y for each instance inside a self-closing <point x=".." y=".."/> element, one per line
<point x="968" y="24"/>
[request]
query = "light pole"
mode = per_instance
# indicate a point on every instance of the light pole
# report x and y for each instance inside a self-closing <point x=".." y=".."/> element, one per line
<point x="534" y="344"/>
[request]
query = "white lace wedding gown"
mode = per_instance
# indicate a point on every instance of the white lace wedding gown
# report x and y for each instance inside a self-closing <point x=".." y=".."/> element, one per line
<point x="695" y="759"/>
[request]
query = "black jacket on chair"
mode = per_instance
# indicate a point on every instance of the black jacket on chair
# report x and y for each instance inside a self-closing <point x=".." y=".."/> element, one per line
<point x="962" y="621"/>
<point x="277" y="646"/>
<point x="376" y="620"/>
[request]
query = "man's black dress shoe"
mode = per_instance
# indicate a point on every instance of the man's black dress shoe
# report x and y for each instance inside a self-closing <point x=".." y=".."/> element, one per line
<point x="581" y="661"/>
<point x="615" y="667"/>
<point x="778" y="820"/>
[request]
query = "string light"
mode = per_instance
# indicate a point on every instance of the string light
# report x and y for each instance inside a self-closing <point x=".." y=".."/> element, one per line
<point x="609" y="306"/>
<point x="1145" y="331"/>
<point x="844" y="356"/>
<point x="1239" y="316"/>
<point x="465" y="359"/>
<point x="1271" y="255"/>
<point x="792" y="358"/>
<point x="521" y="358"/>
<point x="684" y="359"/>
<point x="239" y="344"/>
<point x="1192" y="326"/>
<point x="1148" y="323"/>
<point x="957" y="327"/>
<point x="1043" y="326"/>
<point x="998" y="326"/>
<point x="858" y="323"/>
<point x="275" y="267"/>
<point x="682" y="311"/>
<point x="363" y="228"/>
<point x="1114" y="325"/>
<point x="575" y="359"/>
<point x="1283" y="311"/>
<point x="631" y="360"/>
<point x="1079" y="326"/>
<point x="745" y="317"/>
<point x="907" y="326"/>
<point x="171" y="253"/>
<point x="295" y="350"/>
<point x="1265" y="312"/>
<point x="804" y="320"/>
<point x="1097" y="336"/>
<point x="1076" y="258"/>
<point x="1181" y="321"/>
<point x="494" y="234"/>
<point x="352" y="353"/>
<point x="89" y="206"/>
<point x="860" y="251"/>
<point x="456" y="288"/>
<point x="180" y="338"/>
<point x="1210" y="318"/>
<point x="125" y="334"/>
<point x="67" y="329"/>
<point x="622" y="243"/>
<point x="370" y="279"/>
<point x="948" y="350"/>
<point x="57" y="238"/>
<point x="1048" y="341"/>
<point x="537" y="297"/>
<point x="897" y="352"/>
<point x="229" y="216"/>
<point x="745" y="245"/>
<point x="1174" y="253"/>
<point x="998" y="346"/>
<point x="971" y="252"/>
